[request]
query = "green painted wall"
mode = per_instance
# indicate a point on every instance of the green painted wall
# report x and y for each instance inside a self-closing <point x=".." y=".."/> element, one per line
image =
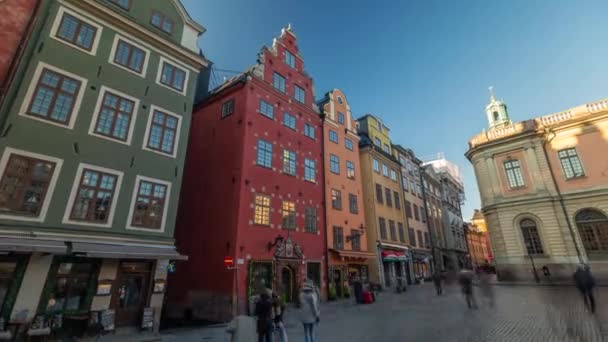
<point x="47" y="139"/>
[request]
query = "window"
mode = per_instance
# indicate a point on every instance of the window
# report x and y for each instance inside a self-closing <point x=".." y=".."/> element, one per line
<point x="333" y="136"/>
<point x="289" y="120"/>
<point x="379" y="126"/>
<point x="309" y="131"/>
<point x="125" y="4"/>
<point x="571" y="164"/>
<point x="290" y="59"/>
<point x="420" y="242"/>
<point x="348" y="143"/>
<point x="514" y="176"/>
<point x="338" y="238"/>
<point x="299" y="94"/>
<point x="393" y="175"/>
<point x="386" y="149"/>
<point x="408" y="209"/>
<point x="416" y="214"/>
<point x="592" y="226"/>
<point x="163" y="132"/>
<point x="278" y="82"/>
<point x="352" y="204"/>
<point x="376" y="165"/>
<point x="377" y="142"/>
<point x="266" y="109"/>
<point x="261" y="211"/>
<point x="25" y="184"/>
<point x="427" y="241"/>
<point x="309" y="170"/>
<point x="350" y="170"/>
<point x="76" y="32"/>
<point x="173" y="77"/>
<point x="531" y="237"/>
<point x="404" y="183"/>
<point x="310" y="220"/>
<point x="334" y="164"/>
<point x="227" y="108"/>
<point x="391" y="225"/>
<point x="129" y="56"/>
<point x="412" y="235"/>
<point x="289" y="215"/>
<point x="114" y="119"/>
<point x="264" y="153"/>
<point x="340" y="118"/>
<point x="401" y="232"/>
<point x="54" y="97"/>
<point x="382" y="225"/>
<point x="289" y="162"/>
<point x="389" y="197"/>
<point x="384" y="170"/>
<point x="355" y="241"/>
<point x="161" y="21"/>
<point x="336" y="199"/>
<point x="422" y="215"/>
<point x="379" y="193"/>
<point x="397" y="201"/>
<point x="94" y="196"/>
<point x="149" y="206"/>
<point x="70" y="287"/>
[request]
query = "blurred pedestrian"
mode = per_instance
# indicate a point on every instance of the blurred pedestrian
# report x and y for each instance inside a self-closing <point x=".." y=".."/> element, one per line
<point x="309" y="310"/>
<point x="278" y="311"/>
<point x="585" y="283"/>
<point x="358" y="287"/>
<point x="438" y="281"/>
<point x="486" y="289"/>
<point x="465" y="278"/>
<point x="263" y="312"/>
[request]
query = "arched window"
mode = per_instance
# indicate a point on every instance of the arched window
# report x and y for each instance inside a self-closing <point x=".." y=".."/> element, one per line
<point x="495" y="116"/>
<point x="529" y="231"/>
<point x="593" y="229"/>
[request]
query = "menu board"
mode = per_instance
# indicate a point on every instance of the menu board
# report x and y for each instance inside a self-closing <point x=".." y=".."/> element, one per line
<point x="107" y="320"/>
<point x="147" y="321"/>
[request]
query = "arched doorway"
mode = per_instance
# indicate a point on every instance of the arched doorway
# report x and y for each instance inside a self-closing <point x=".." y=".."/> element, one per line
<point x="288" y="284"/>
<point x="593" y="228"/>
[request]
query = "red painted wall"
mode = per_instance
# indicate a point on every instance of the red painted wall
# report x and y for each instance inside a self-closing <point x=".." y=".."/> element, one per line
<point x="16" y="15"/>
<point x="221" y="179"/>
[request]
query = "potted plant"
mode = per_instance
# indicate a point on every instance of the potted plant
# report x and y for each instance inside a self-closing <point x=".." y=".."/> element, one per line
<point x="332" y="291"/>
<point x="346" y="291"/>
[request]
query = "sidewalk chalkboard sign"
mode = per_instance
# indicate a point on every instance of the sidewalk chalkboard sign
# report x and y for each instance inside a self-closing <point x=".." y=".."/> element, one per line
<point x="147" y="321"/>
<point x="107" y="320"/>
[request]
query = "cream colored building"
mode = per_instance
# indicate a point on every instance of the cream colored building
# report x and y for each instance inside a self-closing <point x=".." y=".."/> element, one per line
<point x="543" y="186"/>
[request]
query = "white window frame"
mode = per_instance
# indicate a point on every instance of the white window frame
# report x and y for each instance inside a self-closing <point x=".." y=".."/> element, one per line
<point x="138" y="180"/>
<point x="144" y="68"/>
<point x="57" y="23"/>
<point x="8" y="151"/>
<point x="159" y="74"/>
<point x="34" y="81"/>
<point x="76" y="185"/>
<point x="177" y="132"/>
<point x="102" y="93"/>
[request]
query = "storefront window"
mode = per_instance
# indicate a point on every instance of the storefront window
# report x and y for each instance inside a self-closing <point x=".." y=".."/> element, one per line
<point x="7" y="271"/>
<point x="71" y="286"/>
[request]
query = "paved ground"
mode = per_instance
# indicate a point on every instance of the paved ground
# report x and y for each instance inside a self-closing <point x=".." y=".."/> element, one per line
<point x="521" y="313"/>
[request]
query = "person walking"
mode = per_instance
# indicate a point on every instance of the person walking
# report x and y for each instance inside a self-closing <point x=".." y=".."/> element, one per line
<point x="438" y="281"/>
<point x="263" y="312"/>
<point x="278" y="310"/>
<point x="486" y="289"/>
<point x="585" y="282"/>
<point x="465" y="278"/>
<point x="309" y="310"/>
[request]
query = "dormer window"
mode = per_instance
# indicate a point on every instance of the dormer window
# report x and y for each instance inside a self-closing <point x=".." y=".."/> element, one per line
<point x="124" y="4"/>
<point x="290" y="59"/>
<point x="495" y="116"/>
<point x="162" y="22"/>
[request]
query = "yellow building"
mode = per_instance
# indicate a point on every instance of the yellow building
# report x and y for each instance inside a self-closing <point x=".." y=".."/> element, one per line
<point x="383" y="203"/>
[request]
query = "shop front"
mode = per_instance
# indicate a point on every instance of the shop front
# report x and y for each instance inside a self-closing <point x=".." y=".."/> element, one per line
<point x="422" y="263"/>
<point x="345" y="269"/>
<point x="394" y="268"/>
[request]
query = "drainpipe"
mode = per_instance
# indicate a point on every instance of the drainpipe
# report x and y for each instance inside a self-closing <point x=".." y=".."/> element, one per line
<point x="322" y="168"/>
<point x="559" y="193"/>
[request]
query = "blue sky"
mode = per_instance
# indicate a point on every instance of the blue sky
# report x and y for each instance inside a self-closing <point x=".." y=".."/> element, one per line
<point x="424" y="66"/>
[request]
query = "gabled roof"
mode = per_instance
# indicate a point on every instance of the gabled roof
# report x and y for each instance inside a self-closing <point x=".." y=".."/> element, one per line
<point x="187" y="18"/>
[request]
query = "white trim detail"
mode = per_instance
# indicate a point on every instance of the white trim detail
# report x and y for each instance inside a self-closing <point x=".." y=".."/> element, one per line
<point x="144" y="68"/>
<point x="49" y="192"/>
<point x="175" y="65"/>
<point x="57" y="23"/>
<point x="70" y="203"/>
<point x="177" y="132"/>
<point x="96" y="113"/>
<point x="27" y="99"/>
<point x="138" y="180"/>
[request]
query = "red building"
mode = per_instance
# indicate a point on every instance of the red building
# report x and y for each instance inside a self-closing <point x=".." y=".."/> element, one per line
<point x="253" y="189"/>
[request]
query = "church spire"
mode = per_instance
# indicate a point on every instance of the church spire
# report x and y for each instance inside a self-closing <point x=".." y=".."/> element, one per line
<point x="496" y="111"/>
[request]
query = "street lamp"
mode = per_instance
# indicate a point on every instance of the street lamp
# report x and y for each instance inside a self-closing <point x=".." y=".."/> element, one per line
<point x="529" y="248"/>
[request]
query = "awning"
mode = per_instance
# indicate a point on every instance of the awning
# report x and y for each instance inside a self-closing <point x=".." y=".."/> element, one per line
<point x="393" y="256"/>
<point x="25" y="245"/>
<point x="394" y="246"/>
<point x="115" y="251"/>
<point x="355" y="254"/>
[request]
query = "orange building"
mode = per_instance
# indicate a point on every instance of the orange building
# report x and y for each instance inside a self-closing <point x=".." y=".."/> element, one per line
<point x="346" y="240"/>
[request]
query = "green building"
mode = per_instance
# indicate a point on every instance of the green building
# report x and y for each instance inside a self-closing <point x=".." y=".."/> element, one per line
<point x="93" y="139"/>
